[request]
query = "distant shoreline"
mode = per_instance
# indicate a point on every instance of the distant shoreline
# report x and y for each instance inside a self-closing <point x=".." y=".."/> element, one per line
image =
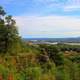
<point x="71" y="40"/>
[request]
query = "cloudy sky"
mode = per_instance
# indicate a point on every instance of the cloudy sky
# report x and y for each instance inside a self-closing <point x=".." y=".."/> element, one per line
<point x="45" y="18"/>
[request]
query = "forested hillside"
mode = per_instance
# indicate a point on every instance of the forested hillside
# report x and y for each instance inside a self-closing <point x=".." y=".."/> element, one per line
<point x="22" y="61"/>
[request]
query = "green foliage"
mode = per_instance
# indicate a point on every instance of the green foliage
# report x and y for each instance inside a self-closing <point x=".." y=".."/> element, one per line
<point x="9" y="38"/>
<point x="53" y="52"/>
<point x="3" y="71"/>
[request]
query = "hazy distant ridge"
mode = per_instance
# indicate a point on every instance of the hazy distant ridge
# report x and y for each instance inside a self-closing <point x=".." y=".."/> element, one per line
<point x="55" y="39"/>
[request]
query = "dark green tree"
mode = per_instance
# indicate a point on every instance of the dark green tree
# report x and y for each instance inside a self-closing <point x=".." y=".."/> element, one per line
<point x="12" y="33"/>
<point x="8" y="32"/>
<point x="2" y="12"/>
<point x="2" y="30"/>
<point x="53" y="52"/>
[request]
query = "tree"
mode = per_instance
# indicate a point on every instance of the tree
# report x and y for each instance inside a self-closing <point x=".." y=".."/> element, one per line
<point x="8" y="32"/>
<point x="2" y="30"/>
<point x="53" y="53"/>
<point x="12" y="33"/>
<point x="2" y="12"/>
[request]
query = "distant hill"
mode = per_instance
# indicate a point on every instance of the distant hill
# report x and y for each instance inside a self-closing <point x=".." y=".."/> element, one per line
<point x="77" y="39"/>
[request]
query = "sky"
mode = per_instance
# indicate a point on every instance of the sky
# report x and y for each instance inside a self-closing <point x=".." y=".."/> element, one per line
<point x="45" y="18"/>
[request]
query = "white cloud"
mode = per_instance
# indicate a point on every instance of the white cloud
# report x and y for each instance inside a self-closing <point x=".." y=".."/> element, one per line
<point x="68" y="5"/>
<point x="72" y="8"/>
<point x="72" y="5"/>
<point x="48" y="25"/>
